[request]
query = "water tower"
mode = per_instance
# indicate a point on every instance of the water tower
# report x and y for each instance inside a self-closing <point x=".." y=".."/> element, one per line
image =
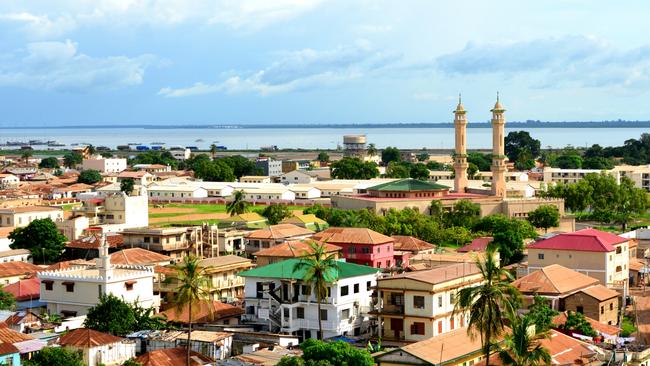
<point x="354" y="145"/>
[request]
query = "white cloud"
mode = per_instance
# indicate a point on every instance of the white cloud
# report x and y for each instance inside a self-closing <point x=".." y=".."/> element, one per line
<point x="297" y="70"/>
<point x="577" y="60"/>
<point x="40" y="26"/>
<point x="59" y="66"/>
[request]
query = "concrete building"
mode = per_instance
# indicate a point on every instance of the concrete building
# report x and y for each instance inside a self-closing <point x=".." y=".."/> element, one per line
<point x="355" y="146"/>
<point x="270" y="167"/>
<point x="9" y="181"/>
<point x="292" y="249"/>
<point x="639" y="174"/>
<point x="71" y="292"/>
<point x="460" y="153"/>
<point x="23" y="216"/>
<point x="598" y="254"/>
<point x="175" y="242"/>
<point x="153" y="168"/>
<point x="298" y="177"/>
<point x="276" y="296"/>
<point x="226" y="285"/>
<point x="180" y="154"/>
<point x="255" y="179"/>
<point x="125" y="210"/>
<point x="568" y="290"/>
<point x="156" y="191"/>
<point x="274" y="235"/>
<point x="11" y="272"/>
<point x="98" y="348"/>
<point x="17" y="255"/>
<point x="104" y="165"/>
<point x="418" y="305"/>
<point x="140" y="178"/>
<point x="269" y="194"/>
<point x="361" y="245"/>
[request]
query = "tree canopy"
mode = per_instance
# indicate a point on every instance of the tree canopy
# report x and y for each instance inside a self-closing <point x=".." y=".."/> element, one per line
<point x="390" y="154"/>
<point x="545" y="217"/>
<point x="55" y="356"/>
<point x="70" y="160"/>
<point x="89" y="177"/>
<point x="127" y="185"/>
<point x="276" y="213"/>
<point x="522" y="149"/>
<point x="354" y="168"/>
<point x="155" y="157"/>
<point x="319" y="353"/>
<point x="42" y="238"/>
<point x="541" y="314"/>
<point x="323" y="157"/>
<point x="7" y="300"/>
<point x="49" y="162"/>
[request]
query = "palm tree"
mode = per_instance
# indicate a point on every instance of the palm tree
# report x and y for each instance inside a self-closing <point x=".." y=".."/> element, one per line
<point x="489" y="303"/>
<point x="372" y="150"/>
<point x="521" y="347"/>
<point x="193" y="284"/>
<point x="26" y="155"/>
<point x="320" y="269"/>
<point x="238" y="205"/>
<point x="213" y="150"/>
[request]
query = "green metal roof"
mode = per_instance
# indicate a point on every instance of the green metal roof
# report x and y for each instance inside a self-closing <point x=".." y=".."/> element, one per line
<point x="284" y="270"/>
<point x="408" y="184"/>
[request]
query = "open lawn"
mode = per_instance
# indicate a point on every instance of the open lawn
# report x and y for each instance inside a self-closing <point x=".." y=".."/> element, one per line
<point x="193" y="214"/>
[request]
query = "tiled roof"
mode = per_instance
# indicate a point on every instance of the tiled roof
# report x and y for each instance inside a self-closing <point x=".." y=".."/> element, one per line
<point x="24" y="209"/>
<point x="636" y="264"/>
<point x="172" y="357"/>
<point x="83" y="337"/>
<point x="554" y="279"/>
<point x="92" y="241"/>
<point x="444" y="347"/>
<point x="203" y="312"/>
<point x="128" y="174"/>
<point x="138" y="256"/>
<point x="587" y="240"/>
<point x="477" y="245"/>
<point x="438" y="275"/>
<point x="26" y="289"/>
<point x="612" y="330"/>
<point x="224" y="260"/>
<point x="8" y="335"/>
<point x="352" y="235"/>
<point x="303" y="219"/>
<point x="68" y="264"/>
<point x="281" y="231"/>
<point x="245" y="217"/>
<point x="285" y="270"/>
<point x="600" y="292"/>
<point x="11" y="269"/>
<point x="13" y="252"/>
<point x="408" y="185"/>
<point x="411" y="244"/>
<point x="294" y="249"/>
<point x="7" y="348"/>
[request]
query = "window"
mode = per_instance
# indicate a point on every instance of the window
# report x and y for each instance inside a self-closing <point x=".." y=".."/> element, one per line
<point x="580" y="309"/>
<point x="439" y="301"/>
<point x="439" y="326"/>
<point x="540" y="256"/>
<point x="356" y="288"/>
<point x="323" y="314"/>
<point x="417" y="328"/>
<point x="300" y="313"/>
<point x="602" y="310"/>
<point x="129" y="285"/>
<point x="306" y="290"/>
<point x="368" y="285"/>
<point x="618" y="250"/>
<point x="48" y="285"/>
<point x="351" y="249"/>
<point x="452" y="298"/>
<point x="345" y="290"/>
<point x="69" y="286"/>
<point x="396" y="299"/>
<point x="451" y="323"/>
<point x="611" y="306"/>
<point x="418" y="302"/>
<point x="619" y="268"/>
<point x="345" y="314"/>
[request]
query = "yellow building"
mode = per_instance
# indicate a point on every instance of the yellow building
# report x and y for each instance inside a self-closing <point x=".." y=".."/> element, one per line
<point x="418" y="305"/>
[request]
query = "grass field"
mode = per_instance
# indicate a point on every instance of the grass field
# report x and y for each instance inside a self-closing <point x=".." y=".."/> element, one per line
<point x="193" y="214"/>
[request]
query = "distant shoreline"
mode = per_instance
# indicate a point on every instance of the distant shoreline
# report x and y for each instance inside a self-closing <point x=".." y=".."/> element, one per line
<point x="510" y="125"/>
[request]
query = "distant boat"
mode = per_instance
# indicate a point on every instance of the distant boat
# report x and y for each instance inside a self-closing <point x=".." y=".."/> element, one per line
<point x="55" y="144"/>
<point x="157" y="143"/>
<point x="135" y="143"/>
<point x="36" y="142"/>
<point x="198" y="140"/>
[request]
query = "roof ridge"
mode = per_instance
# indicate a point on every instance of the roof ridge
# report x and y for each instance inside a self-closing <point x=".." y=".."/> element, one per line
<point x="547" y="276"/>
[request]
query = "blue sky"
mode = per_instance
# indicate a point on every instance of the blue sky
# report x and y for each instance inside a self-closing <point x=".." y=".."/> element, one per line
<point x="319" y="61"/>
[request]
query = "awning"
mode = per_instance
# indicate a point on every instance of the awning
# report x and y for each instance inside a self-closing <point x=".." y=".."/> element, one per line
<point x="31" y="345"/>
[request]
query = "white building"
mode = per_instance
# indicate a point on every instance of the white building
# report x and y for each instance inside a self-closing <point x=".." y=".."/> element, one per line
<point x="16" y="255"/>
<point x="128" y="211"/>
<point x="141" y="178"/>
<point x="268" y="194"/>
<point x="71" y="292"/>
<point x="23" y="216"/>
<point x="9" y="181"/>
<point x="298" y="177"/>
<point x="181" y="154"/>
<point x="305" y="192"/>
<point x="98" y="348"/>
<point x="276" y="297"/>
<point x="178" y="191"/>
<point x="104" y="165"/>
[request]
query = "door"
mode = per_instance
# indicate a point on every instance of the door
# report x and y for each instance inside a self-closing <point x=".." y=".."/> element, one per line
<point x="397" y="325"/>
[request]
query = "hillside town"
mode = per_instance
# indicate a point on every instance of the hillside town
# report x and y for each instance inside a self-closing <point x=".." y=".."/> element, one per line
<point x="389" y="257"/>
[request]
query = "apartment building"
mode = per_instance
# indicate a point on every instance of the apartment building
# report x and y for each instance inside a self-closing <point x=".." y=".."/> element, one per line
<point x="9" y="181"/>
<point x="269" y="167"/>
<point x="175" y="242"/>
<point x="274" y="235"/>
<point x="23" y="216"/>
<point x="361" y="245"/>
<point x="277" y="298"/>
<point x="414" y="306"/>
<point x="223" y="271"/>
<point x="104" y="165"/>
<point x="639" y="174"/>
<point x="292" y="249"/>
<point x="125" y="210"/>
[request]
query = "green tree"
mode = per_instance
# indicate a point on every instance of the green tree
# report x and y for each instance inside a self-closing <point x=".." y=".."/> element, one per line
<point x="436" y="210"/>
<point x="335" y="353"/>
<point x="71" y="160"/>
<point x="372" y="149"/>
<point x="241" y="166"/>
<point x="89" y="177"/>
<point x="597" y="163"/>
<point x="544" y="217"/>
<point x="42" y="238"/>
<point x="131" y="362"/>
<point x="26" y="155"/>
<point x="423" y="156"/>
<point x="56" y="356"/>
<point x="569" y="161"/>
<point x="238" y="204"/>
<point x="276" y="213"/>
<point x="577" y="322"/>
<point x="541" y="314"/>
<point x="521" y="348"/>
<point x="482" y="161"/>
<point x="434" y="165"/>
<point x="7" y="300"/>
<point x="489" y="303"/>
<point x="419" y="171"/>
<point x="390" y="154"/>
<point x="49" y="163"/>
<point x="127" y="185"/>
<point x="464" y="213"/>
<point x="353" y="168"/>
<point x="193" y="283"/>
<point x="519" y="143"/>
<point x="111" y="315"/>
<point x="397" y="170"/>
<point x="321" y="270"/>
<point x="457" y="235"/>
<point x="145" y="318"/>
<point x="213" y="171"/>
<point x="323" y="157"/>
<point x="213" y="151"/>
<point x="472" y="170"/>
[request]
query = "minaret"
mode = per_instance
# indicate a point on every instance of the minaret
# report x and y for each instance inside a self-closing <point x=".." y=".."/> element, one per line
<point x="460" y="154"/>
<point x="498" y="152"/>
<point x="104" y="260"/>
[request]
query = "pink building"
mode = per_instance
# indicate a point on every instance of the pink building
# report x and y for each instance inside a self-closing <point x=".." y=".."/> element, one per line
<point x="361" y="245"/>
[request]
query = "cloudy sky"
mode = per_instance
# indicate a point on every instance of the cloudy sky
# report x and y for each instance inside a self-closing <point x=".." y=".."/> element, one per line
<point x="319" y="61"/>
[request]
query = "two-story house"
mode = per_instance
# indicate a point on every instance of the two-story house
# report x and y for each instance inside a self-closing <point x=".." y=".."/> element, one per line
<point x="23" y="216"/>
<point x="274" y="235"/>
<point x="361" y="245"/>
<point x="597" y="254"/>
<point x="277" y="297"/>
<point x="293" y="249"/>
<point x="72" y="291"/>
<point x="418" y="305"/>
<point x="175" y="242"/>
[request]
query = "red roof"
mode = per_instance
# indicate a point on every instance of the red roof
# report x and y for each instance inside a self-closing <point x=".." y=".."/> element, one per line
<point x="586" y="240"/>
<point x="204" y="313"/>
<point x="83" y="337"/>
<point x="7" y="348"/>
<point x="172" y="357"/>
<point x="477" y="245"/>
<point x="27" y="289"/>
<point x="92" y="241"/>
